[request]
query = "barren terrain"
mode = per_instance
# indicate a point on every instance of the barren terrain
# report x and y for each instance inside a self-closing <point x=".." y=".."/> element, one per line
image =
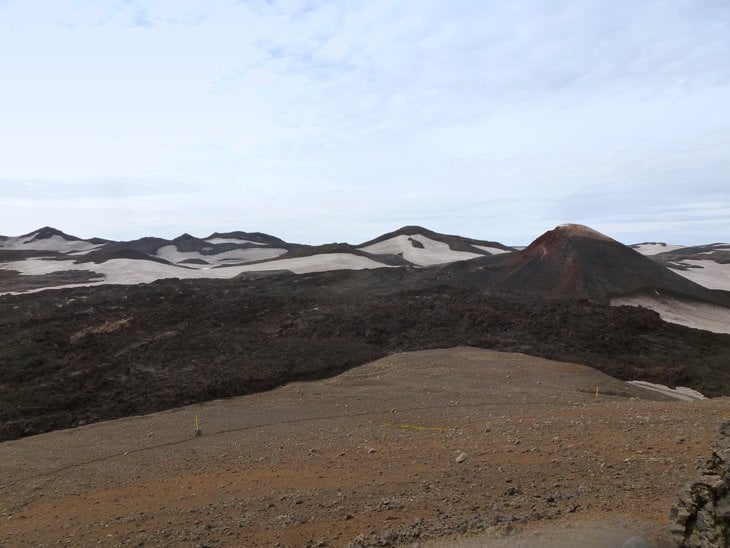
<point x="370" y="458"/>
<point x="75" y="356"/>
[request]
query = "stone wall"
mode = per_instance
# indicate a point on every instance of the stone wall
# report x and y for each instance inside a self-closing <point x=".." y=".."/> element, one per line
<point x="701" y="516"/>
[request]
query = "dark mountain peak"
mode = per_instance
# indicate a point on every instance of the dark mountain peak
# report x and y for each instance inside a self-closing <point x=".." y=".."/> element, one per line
<point x="147" y="245"/>
<point x="47" y="232"/>
<point x="456" y="243"/>
<point x="258" y="237"/>
<point x="99" y="241"/>
<point x="184" y="237"/>
<point x="554" y="244"/>
<point x="575" y="261"/>
<point x="582" y="231"/>
<point x="409" y="230"/>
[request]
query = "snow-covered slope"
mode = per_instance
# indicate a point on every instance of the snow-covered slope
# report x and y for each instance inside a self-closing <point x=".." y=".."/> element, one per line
<point x="707" y="265"/>
<point x="419" y="250"/>
<point x="172" y="254"/>
<point x="220" y="255"/>
<point x="136" y="271"/>
<point x="422" y="247"/>
<point x="236" y="241"/>
<point x="46" y="240"/>
<point x="695" y="314"/>
<point x="653" y="248"/>
<point x="706" y="272"/>
<point x="491" y="250"/>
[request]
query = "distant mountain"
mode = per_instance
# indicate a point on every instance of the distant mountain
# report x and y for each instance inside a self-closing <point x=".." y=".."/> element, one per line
<point x="423" y="247"/>
<point x="46" y="239"/>
<point x="574" y="261"/>
<point x="457" y="243"/>
<point x="717" y="252"/>
<point x="46" y="233"/>
<point x="38" y="258"/>
<point x="571" y="261"/>
<point x="246" y="237"/>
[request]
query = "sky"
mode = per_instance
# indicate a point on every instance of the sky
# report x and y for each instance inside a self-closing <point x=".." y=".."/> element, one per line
<point x="322" y="121"/>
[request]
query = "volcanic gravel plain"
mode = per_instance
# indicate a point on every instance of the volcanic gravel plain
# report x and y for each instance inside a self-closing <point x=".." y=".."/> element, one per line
<point x="463" y="445"/>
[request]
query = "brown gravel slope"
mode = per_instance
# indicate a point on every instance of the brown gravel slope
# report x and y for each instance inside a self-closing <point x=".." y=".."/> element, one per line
<point x="367" y="458"/>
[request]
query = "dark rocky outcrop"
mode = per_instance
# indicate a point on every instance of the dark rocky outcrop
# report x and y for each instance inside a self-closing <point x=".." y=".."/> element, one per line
<point x="701" y="516"/>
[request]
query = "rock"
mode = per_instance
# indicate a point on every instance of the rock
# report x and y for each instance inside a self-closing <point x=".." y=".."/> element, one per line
<point x="700" y="518"/>
<point x="461" y="457"/>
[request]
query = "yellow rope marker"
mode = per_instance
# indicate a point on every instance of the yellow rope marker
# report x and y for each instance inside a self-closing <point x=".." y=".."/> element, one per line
<point x="406" y="426"/>
<point x="596" y="391"/>
<point x="197" y="427"/>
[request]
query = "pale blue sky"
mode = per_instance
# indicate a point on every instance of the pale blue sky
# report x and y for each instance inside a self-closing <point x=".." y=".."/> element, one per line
<point x="319" y="121"/>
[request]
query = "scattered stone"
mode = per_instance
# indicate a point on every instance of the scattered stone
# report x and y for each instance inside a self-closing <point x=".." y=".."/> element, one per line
<point x="461" y="457"/>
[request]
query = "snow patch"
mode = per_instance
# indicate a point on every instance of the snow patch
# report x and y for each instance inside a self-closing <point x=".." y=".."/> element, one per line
<point x="695" y="314"/>
<point x="653" y="248"/>
<point x="709" y="274"/>
<point x="315" y="263"/>
<point x="174" y="255"/>
<point x="218" y="241"/>
<point x="54" y="243"/>
<point x="680" y="393"/>
<point x="137" y="271"/>
<point x="492" y="250"/>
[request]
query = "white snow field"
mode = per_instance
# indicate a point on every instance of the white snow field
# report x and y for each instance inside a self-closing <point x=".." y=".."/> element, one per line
<point x="231" y="241"/>
<point x="680" y="393"/>
<point x="492" y="250"/>
<point x="710" y="274"/>
<point x="655" y="248"/>
<point x="693" y="314"/>
<point x="54" y="243"/>
<point x="136" y="271"/>
<point x="174" y="255"/>
<point x="433" y="252"/>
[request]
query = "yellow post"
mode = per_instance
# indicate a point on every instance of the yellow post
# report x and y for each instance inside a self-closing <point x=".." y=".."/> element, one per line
<point x="596" y="392"/>
<point x="196" y="423"/>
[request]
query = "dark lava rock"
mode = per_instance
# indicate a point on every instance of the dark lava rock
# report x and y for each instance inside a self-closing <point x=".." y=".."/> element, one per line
<point x="701" y="516"/>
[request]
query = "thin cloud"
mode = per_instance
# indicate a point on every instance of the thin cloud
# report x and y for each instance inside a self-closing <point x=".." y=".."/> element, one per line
<point x="480" y="118"/>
